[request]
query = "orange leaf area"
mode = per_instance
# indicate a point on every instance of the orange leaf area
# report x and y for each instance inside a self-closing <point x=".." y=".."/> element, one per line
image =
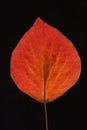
<point x="45" y="64"/>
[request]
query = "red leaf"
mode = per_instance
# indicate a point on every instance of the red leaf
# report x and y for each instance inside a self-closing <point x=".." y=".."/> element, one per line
<point x="45" y="64"/>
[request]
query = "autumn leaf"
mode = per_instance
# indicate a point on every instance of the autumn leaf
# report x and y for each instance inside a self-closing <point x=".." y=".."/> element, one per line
<point x="45" y="64"/>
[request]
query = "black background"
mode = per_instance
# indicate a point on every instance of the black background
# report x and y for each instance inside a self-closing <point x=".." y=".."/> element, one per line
<point x="19" y="111"/>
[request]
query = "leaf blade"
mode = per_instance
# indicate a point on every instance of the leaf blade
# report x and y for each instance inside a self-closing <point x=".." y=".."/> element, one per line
<point x="45" y="64"/>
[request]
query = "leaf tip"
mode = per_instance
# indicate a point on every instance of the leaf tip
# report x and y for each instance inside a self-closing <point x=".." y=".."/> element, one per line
<point x="38" y="21"/>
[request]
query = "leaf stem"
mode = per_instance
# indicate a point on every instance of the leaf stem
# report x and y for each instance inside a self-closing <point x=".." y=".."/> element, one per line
<point x="46" y="118"/>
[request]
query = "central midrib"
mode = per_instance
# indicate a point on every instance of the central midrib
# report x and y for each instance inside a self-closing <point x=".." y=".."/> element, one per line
<point x="46" y="73"/>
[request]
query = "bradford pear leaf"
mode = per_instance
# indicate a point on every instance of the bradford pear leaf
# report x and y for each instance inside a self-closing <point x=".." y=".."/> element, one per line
<point x="44" y="64"/>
